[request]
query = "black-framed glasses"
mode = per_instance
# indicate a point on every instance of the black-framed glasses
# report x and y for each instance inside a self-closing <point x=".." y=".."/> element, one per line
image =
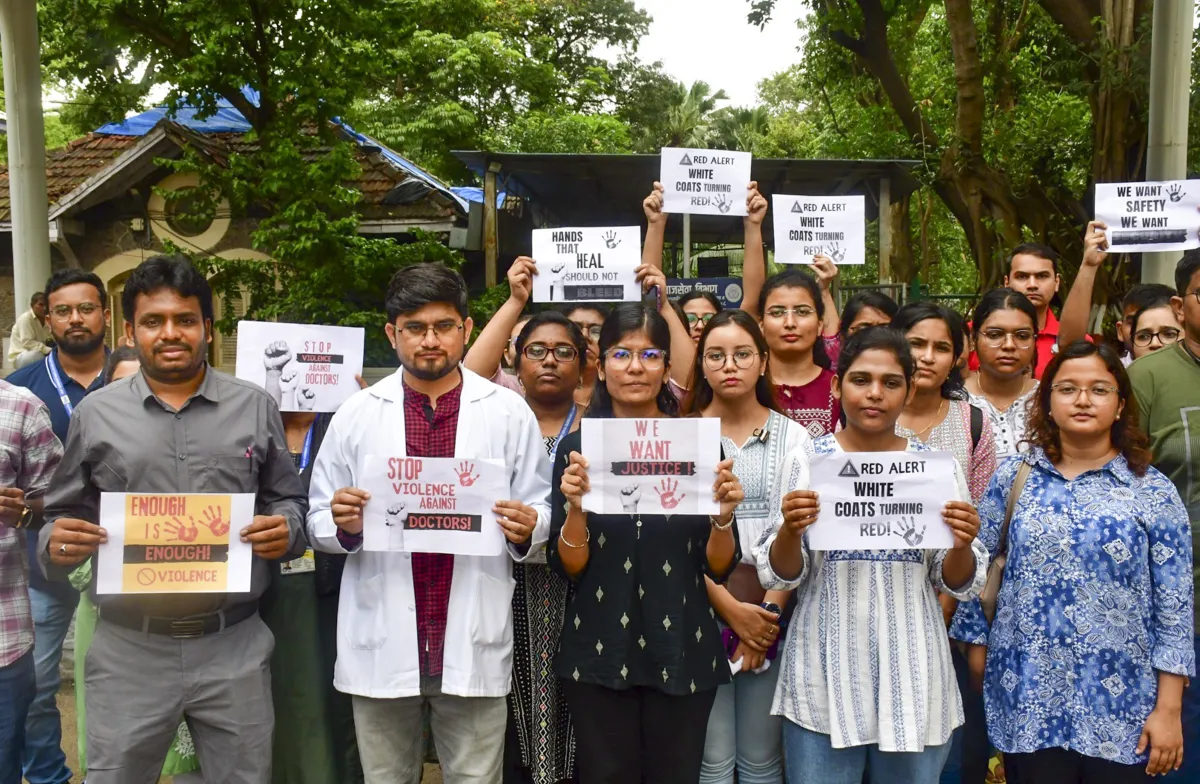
<point x="693" y="319"/>
<point x="651" y="358"/>
<point x="417" y="330"/>
<point x="1166" y="336"/>
<point x="1071" y="392"/>
<point x="537" y="352"/>
<point x="1195" y="294"/>
<point x="590" y="331"/>
<point x="742" y="359"/>
<point x="800" y="312"/>
<point x="996" y="337"/>
<point x="63" y="312"/>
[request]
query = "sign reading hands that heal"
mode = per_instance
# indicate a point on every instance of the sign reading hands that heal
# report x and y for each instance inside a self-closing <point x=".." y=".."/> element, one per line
<point x="174" y="543"/>
<point x="651" y="466"/>
<point x="433" y="505"/>
<point x="587" y="264"/>
<point x="303" y="366"/>
<point x="705" y="182"/>
<point x="1150" y="216"/>
<point x="882" y="501"/>
<point x="807" y="226"/>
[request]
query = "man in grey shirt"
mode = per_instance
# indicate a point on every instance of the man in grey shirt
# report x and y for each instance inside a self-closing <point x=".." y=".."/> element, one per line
<point x="177" y="427"/>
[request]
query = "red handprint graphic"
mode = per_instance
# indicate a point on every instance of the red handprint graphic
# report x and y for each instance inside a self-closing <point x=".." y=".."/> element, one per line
<point x="181" y="531"/>
<point x="666" y="496"/>
<point x="465" y="476"/>
<point x="211" y="519"/>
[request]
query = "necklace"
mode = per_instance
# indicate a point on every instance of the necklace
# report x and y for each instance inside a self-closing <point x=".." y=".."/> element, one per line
<point x="937" y="415"/>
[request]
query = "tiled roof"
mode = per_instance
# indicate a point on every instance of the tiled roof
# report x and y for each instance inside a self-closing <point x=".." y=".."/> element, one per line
<point x="69" y="167"/>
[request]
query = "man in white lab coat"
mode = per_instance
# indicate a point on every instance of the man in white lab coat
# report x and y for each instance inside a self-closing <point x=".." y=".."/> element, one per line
<point x="427" y="629"/>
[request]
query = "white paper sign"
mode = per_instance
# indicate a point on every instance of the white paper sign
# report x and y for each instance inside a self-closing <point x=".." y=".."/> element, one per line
<point x="882" y="501"/>
<point x="305" y="367"/>
<point x="1150" y="216"/>
<point x="705" y="182"/>
<point x="807" y="226"/>
<point x="651" y="466"/>
<point x="587" y="264"/>
<point x="433" y="505"/>
<point x="174" y="543"/>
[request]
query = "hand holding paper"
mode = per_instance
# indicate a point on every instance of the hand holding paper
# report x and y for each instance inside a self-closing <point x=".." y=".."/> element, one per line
<point x="652" y="205"/>
<point x="800" y="510"/>
<point x="727" y="490"/>
<point x="575" y="484"/>
<point x="963" y="520"/>
<point x="268" y="536"/>
<point x="73" y="541"/>
<point x="347" y="508"/>
<point x="1095" y="243"/>
<point x="517" y="520"/>
<point x="756" y="206"/>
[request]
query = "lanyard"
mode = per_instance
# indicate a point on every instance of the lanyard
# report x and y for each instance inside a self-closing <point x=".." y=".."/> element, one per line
<point x="306" y="454"/>
<point x="566" y="428"/>
<point x="56" y="380"/>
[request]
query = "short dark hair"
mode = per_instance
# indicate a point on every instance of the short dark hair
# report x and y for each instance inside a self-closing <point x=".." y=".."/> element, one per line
<point x="626" y="319"/>
<point x="1002" y="299"/>
<point x="595" y="307"/>
<point x="884" y="338"/>
<point x="1136" y="317"/>
<point x="414" y="287"/>
<point x="1144" y="295"/>
<point x="707" y="296"/>
<point x="866" y="299"/>
<point x="1034" y="249"/>
<point x="115" y="357"/>
<point x="37" y="297"/>
<point x="914" y="313"/>
<point x="542" y="319"/>
<point x="69" y="277"/>
<point x="1185" y="270"/>
<point x="167" y="272"/>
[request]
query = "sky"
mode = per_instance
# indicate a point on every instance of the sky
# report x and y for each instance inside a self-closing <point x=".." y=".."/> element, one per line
<point x="711" y="41"/>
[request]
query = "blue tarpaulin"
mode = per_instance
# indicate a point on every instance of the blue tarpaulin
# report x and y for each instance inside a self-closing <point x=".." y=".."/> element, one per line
<point x="474" y="193"/>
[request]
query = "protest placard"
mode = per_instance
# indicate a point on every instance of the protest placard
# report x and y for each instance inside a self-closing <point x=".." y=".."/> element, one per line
<point x="1150" y="216"/>
<point x="174" y="543"/>
<point x="651" y="466"/>
<point x="305" y="367"/>
<point x="704" y="182"/>
<point x="807" y="226"/>
<point x="587" y="264"/>
<point x="882" y="501"/>
<point x="433" y="505"/>
<point x="728" y="291"/>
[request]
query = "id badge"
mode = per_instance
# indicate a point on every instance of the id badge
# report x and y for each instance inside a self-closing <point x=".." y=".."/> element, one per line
<point x="305" y="563"/>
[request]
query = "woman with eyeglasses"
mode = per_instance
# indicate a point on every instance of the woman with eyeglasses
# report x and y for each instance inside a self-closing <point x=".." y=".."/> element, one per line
<point x="640" y="654"/>
<point x="1153" y="328"/>
<point x="1005" y="332"/>
<point x="867" y="684"/>
<point x="1092" y="642"/>
<point x="731" y="384"/>
<point x="698" y="309"/>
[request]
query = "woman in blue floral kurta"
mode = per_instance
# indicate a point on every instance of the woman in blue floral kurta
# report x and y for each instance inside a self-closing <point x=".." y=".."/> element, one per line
<point x="1092" y="639"/>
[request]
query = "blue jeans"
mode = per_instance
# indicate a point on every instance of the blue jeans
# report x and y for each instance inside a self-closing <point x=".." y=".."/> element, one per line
<point x="1189" y="771"/>
<point x="16" y="692"/>
<point x="812" y="759"/>
<point x="743" y="734"/>
<point x="43" y="757"/>
<point x="970" y="750"/>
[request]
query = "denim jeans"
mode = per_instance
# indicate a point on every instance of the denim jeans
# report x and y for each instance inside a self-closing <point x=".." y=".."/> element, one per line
<point x="970" y="750"/>
<point x="16" y="692"/>
<point x="812" y="759"/>
<point x="742" y="733"/>
<point x="1189" y="771"/>
<point x="43" y="757"/>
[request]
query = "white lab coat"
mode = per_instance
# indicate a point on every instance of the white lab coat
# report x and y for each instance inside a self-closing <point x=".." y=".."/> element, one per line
<point x="377" y="626"/>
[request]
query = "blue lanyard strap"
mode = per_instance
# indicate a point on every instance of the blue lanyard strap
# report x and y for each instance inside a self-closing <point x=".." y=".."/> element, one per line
<point x="56" y="380"/>
<point x="566" y="428"/>
<point x="306" y="454"/>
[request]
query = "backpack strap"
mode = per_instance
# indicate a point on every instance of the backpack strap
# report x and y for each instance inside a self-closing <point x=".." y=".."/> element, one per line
<point x="1014" y="493"/>
<point x="976" y="426"/>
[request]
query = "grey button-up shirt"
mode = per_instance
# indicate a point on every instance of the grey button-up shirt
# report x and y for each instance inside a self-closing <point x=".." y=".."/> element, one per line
<point x="227" y="438"/>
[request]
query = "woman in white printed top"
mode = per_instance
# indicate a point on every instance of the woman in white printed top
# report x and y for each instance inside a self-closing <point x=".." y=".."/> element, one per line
<point x="1005" y="332"/>
<point x="867" y="682"/>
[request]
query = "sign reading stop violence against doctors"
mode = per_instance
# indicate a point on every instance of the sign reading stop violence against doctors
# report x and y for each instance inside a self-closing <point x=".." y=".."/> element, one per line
<point x="651" y="466"/>
<point x="587" y="264"/>
<point x="704" y="182"/>
<point x="807" y="226"/>
<point x="882" y="501"/>
<point x="433" y="505"/>
<point x="304" y="367"/>
<point x="174" y="543"/>
<point x="1150" y="216"/>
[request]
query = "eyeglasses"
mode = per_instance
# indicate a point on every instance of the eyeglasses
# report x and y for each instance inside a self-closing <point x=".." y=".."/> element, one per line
<point x="537" y="352"/>
<point x="63" y="312"/>
<point x="1144" y="337"/>
<point x="651" y="358"/>
<point x="1195" y="294"/>
<point x="590" y="331"/>
<point x="693" y="319"/>
<point x="417" y="330"/>
<point x="995" y="338"/>
<point x="800" y="311"/>
<point x="742" y="359"/>
<point x="1071" y="392"/>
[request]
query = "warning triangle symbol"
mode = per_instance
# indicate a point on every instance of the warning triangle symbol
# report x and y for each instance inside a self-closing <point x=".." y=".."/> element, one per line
<point x="796" y="207"/>
<point x="848" y="470"/>
<point x="687" y="161"/>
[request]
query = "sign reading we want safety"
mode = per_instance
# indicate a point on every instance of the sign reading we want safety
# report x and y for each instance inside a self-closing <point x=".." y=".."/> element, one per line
<point x="174" y="543"/>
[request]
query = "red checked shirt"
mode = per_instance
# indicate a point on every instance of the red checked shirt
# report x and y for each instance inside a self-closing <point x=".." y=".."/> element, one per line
<point x="430" y="432"/>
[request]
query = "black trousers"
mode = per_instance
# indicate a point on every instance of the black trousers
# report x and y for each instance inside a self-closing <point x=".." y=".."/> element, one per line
<point x="1061" y="766"/>
<point x="637" y="735"/>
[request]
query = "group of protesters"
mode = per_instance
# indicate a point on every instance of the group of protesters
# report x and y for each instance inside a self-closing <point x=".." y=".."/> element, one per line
<point x="1053" y="641"/>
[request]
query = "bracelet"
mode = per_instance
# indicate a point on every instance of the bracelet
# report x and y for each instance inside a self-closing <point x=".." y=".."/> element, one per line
<point x="712" y="519"/>
<point x="563" y="539"/>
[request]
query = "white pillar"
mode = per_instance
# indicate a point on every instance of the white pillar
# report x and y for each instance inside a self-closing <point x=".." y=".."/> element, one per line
<point x="1170" y="83"/>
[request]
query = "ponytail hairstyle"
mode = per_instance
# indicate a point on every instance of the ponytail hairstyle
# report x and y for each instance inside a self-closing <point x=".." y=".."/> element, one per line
<point x="701" y="395"/>
<point x="793" y="278"/>
<point x="626" y="319"/>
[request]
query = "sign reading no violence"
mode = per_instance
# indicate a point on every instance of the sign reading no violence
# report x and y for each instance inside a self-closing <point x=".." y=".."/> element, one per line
<point x="704" y="182"/>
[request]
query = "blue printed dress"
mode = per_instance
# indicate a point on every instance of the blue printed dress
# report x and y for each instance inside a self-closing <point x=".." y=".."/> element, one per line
<point x="1096" y="600"/>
